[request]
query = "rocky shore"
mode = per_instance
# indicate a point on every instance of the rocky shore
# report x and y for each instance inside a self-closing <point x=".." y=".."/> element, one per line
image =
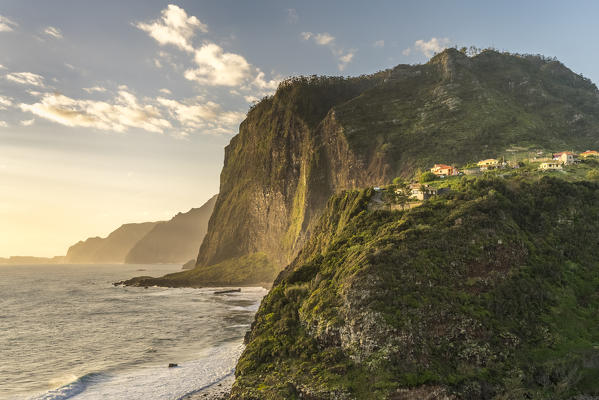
<point x="217" y="391"/>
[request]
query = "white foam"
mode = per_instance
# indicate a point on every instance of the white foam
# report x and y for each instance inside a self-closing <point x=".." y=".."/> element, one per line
<point x="156" y="382"/>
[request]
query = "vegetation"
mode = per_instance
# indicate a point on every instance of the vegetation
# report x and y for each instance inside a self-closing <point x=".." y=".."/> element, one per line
<point x="484" y="292"/>
<point x="253" y="269"/>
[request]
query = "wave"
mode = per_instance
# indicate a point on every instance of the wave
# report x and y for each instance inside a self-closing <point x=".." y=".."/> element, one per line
<point x="73" y="388"/>
<point x="155" y="382"/>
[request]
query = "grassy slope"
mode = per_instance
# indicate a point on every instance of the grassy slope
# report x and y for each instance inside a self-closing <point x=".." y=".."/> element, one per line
<point x="250" y="270"/>
<point x="488" y="292"/>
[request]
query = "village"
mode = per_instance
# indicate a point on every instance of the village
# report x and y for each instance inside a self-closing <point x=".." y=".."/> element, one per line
<point x="403" y="195"/>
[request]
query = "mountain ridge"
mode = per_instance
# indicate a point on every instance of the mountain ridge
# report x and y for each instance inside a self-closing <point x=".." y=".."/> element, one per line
<point x="317" y="136"/>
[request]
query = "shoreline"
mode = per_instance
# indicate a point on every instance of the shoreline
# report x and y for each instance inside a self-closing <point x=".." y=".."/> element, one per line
<point x="219" y="390"/>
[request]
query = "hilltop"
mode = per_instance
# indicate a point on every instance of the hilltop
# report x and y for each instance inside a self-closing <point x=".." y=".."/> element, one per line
<point x="318" y="136"/>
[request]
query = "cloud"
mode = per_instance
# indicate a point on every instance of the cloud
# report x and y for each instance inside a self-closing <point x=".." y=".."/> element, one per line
<point x="218" y="68"/>
<point x="98" y="89"/>
<point x="322" y="39"/>
<point x="27" y="122"/>
<point x="213" y="65"/>
<point x="6" y="24"/>
<point x="5" y="102"/>
<point x="53" y="32"/>
<point x="165" y="91"/>
<point x="208" y="116"/>
<point x="26" y="78"/>
<point x="344" y="57"/>
<point x="429" y="48"/>
<point x="379" y="43"/>
<point x="3" y="124"/>
<point x="122" y="113"/>
<point x="292" y="16"/>
<point x="174" y="27"/>
<point x="2" y="66"/>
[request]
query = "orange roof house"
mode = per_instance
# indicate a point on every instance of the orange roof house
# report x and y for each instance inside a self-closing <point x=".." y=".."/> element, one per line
<point x="589" y="153"/>
<point x="444" y="170"/>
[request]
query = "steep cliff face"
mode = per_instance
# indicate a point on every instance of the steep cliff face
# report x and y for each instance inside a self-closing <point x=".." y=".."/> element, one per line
<point x="173" y="241"/>
<point x="317" y="136"/>
<point x="112" y="249"/>
<point x="483" y="293"/>
<point x="280" y="169"/>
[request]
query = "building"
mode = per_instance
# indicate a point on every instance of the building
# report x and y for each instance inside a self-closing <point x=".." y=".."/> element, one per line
<point x="422" y="192"/>
<point x="490" y="163"/>
<point x="444" y="170"/>
<point x="589" y="153"/>
<point x="564" y="157"/>
<point x="555" y="165"/>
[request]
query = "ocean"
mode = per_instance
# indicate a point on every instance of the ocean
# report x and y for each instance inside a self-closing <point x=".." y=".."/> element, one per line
<point x="67" y="333"/>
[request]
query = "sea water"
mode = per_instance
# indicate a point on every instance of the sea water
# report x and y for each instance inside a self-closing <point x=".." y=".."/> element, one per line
<point x="67" y="333"/>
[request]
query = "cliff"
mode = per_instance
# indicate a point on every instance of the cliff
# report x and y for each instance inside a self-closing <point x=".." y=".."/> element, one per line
<point x="489" y="291"/>
<point x="317" y="136"/>
<point x="112" y="249"/>
<point x="173" y="241"/>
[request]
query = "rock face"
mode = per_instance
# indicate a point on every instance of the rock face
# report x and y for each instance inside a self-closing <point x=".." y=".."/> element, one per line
<point x="485" y="292"/>
<point x="112" y="249"/>
<point x="174" y="241"/>
<point x="317" y="136"/>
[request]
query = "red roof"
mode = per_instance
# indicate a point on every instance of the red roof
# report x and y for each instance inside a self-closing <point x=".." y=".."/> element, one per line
<point x="442" y="166"/>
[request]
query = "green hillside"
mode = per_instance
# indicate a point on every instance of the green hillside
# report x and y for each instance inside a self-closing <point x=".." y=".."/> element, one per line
<point x="490" y="291"/>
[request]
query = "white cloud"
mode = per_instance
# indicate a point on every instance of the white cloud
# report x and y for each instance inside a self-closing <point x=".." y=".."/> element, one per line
<point x="5" y="102"/>
<point x="379" y="43"/>
<point x="322" y="39"/>
<point x="208" y="116"/>
<point x="174" y="27"/>
<point x="53" y="32"/>
<point x="2" y="66"/>
<point x="344" y="57"/>
<point x="429" y="48"/>
<point x="6" y="24"/>
<point x="292" y="16"/>
<point x="98" y="89"/>
<point x="218" y="68"/>
<point x="165" y="91"/>
<point x="26" y="78"/>
<point x="27" y="122"/>
<point x="3" y="124"/>
<point x="122" y="113"/>
<point x="214" y="66"/>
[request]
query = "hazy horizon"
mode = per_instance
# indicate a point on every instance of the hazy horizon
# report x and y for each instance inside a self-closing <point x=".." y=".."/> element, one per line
<point x="115" y="113"/>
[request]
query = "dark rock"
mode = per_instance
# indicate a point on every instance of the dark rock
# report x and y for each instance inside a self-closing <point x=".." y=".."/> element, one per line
<point x="228" y="291"/>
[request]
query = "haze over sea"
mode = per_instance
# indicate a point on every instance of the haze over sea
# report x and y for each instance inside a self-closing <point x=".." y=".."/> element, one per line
<point x="67" y="333"/>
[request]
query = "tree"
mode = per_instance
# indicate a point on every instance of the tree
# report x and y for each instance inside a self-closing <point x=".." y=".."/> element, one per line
<point x="402" y="192"/>
<point x="427" y="177"/>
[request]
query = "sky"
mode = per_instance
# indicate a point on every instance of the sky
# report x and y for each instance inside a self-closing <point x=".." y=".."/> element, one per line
<point x="119" y="111"/>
